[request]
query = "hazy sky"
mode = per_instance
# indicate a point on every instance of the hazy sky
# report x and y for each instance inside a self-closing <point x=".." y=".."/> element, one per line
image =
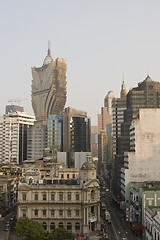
<point x="100" y="40"/>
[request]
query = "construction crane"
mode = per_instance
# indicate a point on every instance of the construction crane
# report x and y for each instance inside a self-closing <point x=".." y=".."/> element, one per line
<point x="16" y="100"/>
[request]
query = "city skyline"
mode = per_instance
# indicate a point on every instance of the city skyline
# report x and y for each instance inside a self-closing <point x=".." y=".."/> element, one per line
<point x="99" y="40"/>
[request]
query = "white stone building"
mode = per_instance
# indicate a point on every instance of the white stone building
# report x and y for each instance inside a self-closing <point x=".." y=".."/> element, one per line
<point x="142" y="163"/>
<point x="13" y="137"/>
<point x="73" y="203"/>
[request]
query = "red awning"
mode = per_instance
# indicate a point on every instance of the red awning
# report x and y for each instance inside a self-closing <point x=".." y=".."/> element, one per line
<point x="137" y="227"/>
<point x="79" y="238"/>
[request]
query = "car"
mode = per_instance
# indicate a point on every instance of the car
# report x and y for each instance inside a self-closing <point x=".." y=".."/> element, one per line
<point x="6" y="229"/>
<point x="7" y="225"/>
<point x="12" y="218"/>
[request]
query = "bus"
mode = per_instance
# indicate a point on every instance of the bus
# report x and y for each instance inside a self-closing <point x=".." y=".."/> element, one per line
<point x="107" y="217"/>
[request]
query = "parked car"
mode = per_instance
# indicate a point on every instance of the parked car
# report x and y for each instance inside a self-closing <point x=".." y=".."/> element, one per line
<point x="6" y="229"/>
<point x="12" y="218"/>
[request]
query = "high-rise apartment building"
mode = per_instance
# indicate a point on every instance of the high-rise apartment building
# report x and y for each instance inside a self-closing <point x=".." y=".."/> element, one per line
<point x="146" y="95"/>
<point x="76" y="131"/>
<point x="13" y="137"/>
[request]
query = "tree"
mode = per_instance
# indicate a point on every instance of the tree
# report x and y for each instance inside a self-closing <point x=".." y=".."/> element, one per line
<point x="30" y="229"/>
<point x="59" y="234"/>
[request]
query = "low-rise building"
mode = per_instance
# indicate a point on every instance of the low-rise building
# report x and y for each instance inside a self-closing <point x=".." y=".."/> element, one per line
<point x="152" y="219"/>
<point x="70" y="203"/>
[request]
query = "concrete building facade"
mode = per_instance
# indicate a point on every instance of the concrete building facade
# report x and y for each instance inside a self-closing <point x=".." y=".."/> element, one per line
<point x="146" y="95"/>
<point x="13" y="137"/>
<point x="141" y="163"/>
<point x="76" y="131"/>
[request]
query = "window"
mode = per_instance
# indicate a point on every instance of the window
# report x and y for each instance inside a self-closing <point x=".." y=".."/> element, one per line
<point x="61" y="225"/>
<point x="77" y="212"/>
<point x="36" y="212"/>
<point x="36" y="196"/>
<point x="52" y="196"/>
<point x="52" y="226"/>
<point x="60" y="212"/>
<point x="69" y="196"/>
<point x="44" y="196"/>
<point x="69" y="213"/>
<point x="61" y="196"/>
<point x="62" y="176"/>
<point x="92" y="209"/>
<point x="52" y="212"/>
<point x="67" y="175"/>
<point x="44" y="212"/>
<point x="73" y="175"/>
<point x="44" y="225"/>
<point x="77" y="196"/>
<point x="24" y="213"/>
<point x="24" y="196"/>
<point x="69" y="226"/>
<point x="77" y="226"/>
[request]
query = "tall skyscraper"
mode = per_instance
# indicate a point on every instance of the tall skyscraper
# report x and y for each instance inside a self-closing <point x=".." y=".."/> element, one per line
<point x="104" y="136"/>
<point x="54" y="132"/>
<point x="94" y="141"/>
<point x="48" y="97"/>
<point x="76" y="131"/>
<point x="49" y="87"/>
<point x="13" y="137"/>
<point x="146" y="95"/>
<point x="118" y="108"/>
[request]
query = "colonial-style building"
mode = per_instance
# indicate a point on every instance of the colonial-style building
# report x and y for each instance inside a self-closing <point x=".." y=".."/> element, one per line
<point x="70" y="203"/>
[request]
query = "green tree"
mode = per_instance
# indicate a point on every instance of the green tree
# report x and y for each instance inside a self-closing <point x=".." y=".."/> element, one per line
<point x="59" y="234"/>
<point x="30" y="229"/>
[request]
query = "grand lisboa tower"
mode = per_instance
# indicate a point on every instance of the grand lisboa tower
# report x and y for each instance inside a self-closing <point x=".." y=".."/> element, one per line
<point x="49" y="87"/>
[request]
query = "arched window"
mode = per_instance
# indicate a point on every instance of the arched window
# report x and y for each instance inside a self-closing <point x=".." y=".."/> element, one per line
<point x="30" y="180"/>
<point x="61" y="224"/>
<point x="77" y="226"/>
<point x="69" y="226"/>
<point x="52" y="226"/>
<point x="92" y="194"/>
<point x="44" y="225"/>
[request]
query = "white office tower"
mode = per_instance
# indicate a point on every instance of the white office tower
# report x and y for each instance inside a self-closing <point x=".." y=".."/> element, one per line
<point x="13" y="137"/>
